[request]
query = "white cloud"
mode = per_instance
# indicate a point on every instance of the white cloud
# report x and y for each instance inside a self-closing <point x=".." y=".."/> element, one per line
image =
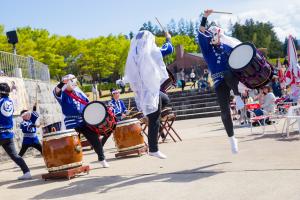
<point x="285" y="16"/>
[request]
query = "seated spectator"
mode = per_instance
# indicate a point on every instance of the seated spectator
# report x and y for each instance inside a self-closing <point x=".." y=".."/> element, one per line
<point x="276" y="87"/>
<point x="269" y="105"/>
<point x="202" y="84"/>
<point x="118" y="105"/>
<point x="260" y="97"/>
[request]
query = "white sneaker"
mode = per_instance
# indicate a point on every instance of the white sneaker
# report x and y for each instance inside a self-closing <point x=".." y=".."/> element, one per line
<point x="26" y="176"/>
<point x="234" y="145"/>
<point x="104" y="164"/>
<point x="239" y="102"/>
<point x="158" y="154"/>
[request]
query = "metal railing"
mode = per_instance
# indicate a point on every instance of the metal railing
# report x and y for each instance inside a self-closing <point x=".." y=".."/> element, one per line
<point x="23" y="67"/>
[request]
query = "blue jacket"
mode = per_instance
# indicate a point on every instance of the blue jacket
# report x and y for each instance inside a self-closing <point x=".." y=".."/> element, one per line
<point x="71" y="109"/>
<point x="167" y="48"/>
<point x="6" y="118"/>
<point x="216" y="57"/>
<point x="118" y="107"/>
<point x="29" y="129"/>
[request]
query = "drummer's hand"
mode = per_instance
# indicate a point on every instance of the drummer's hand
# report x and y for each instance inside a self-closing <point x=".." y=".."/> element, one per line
<point x="208" y="12"/>
<point x="168" y="35"/>
<point x="123" y="115"/>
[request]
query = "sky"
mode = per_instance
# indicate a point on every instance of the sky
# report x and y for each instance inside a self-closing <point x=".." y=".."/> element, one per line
<point x="92" y="18"/>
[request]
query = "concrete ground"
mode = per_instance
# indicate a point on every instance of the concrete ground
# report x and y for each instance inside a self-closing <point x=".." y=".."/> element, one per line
<point x="199" y="167"/>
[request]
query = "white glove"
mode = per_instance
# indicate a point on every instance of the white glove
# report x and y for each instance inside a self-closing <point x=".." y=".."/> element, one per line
<point x="239" y="103"/>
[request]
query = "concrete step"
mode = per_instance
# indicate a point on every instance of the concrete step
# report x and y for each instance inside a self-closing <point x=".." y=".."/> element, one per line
<point x="181" y="97"/>
<point x="185" y="102"/>
<point x="199" y="96"/>
<point x="193" y="101"/>
<point x="198" y="115"/>
<point x="187" y="93"/>
<point x="197" y="110"/>
<point x="195" y="105"/>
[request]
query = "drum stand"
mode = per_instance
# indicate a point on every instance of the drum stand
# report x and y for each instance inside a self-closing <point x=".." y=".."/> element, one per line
<point x="139" y="151"/>
<point x="68" y="173"/>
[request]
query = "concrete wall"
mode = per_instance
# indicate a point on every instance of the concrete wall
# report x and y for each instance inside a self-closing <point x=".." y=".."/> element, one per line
<point x="48" y="108"/>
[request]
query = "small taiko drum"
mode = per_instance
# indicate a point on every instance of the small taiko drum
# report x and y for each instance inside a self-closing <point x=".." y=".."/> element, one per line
<point x="128" y="135"/>
<point x="97" y="114"/>
<point x="62" y="150"/>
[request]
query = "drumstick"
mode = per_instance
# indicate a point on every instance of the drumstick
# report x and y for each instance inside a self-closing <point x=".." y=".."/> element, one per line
<point x="221" y="12"/>
<point x="161" y="25"/>
<point x="129" y="101"/>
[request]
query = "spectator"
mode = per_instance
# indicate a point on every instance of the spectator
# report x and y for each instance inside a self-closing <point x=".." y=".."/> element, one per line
<point x="121" y="84"/>
<point x="269" y="100"/>
<point x="276" y="87"/>
<point x="260" y="97"/>
<point x="205" y="75"/>
<point x="202" y="84"/>
<point x="193" y="78"/>
<point x="94" y="91"/>
<point x="182" y="78"/>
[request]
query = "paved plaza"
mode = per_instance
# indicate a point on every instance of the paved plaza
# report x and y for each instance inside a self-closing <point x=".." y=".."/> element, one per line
<point x="199" y="167"/>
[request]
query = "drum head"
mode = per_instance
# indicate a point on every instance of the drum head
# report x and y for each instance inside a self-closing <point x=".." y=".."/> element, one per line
<point x="241" y="55"/>
<point x="95" y="113"/>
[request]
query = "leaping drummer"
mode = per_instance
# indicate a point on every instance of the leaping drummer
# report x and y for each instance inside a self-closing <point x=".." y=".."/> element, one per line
<point x="230" y="61"/>
<point x="72" y="101"/>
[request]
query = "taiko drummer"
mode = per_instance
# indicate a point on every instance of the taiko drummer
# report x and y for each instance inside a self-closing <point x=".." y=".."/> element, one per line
<point x="72" y="101"/>
<point x="216" y="47"/>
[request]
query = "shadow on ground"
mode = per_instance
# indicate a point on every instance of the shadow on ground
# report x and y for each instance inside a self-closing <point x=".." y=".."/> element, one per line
<point x="108" y="183"/>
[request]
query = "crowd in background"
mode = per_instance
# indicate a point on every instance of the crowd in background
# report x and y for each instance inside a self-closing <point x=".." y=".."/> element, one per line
<point x="270" y="98"/>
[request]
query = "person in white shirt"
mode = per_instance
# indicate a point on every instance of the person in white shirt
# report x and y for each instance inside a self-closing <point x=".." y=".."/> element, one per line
<point x="269" y="105"/>
<point x="193" y="78"/>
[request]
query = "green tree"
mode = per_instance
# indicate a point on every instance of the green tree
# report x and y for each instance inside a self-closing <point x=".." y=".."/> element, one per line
<point x="259" y="33"/>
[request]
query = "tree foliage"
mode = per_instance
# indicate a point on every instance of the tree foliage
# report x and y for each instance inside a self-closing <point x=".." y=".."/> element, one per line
<point x="259" y="33"/>
<point x="103" y="57"/>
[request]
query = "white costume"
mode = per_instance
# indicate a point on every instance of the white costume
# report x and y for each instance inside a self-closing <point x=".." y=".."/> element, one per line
<point x="145" y="71"/>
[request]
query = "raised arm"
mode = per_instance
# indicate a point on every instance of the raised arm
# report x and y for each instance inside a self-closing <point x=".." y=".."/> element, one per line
<point x="167" y="48"/>
<point x="204" y="20"/>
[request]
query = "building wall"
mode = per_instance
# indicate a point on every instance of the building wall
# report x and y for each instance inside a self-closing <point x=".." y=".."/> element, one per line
<point x="187" y="61"/>
<point x="48" y="108"/>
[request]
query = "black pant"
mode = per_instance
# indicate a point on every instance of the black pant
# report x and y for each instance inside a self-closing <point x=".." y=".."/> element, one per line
<point x="24" y="148"/>
<point x="93" y="139"/>
<point x="104" y="138"/>
<point x="182" y="84"/>
<point x="194" y="83"/>
<point x="122" y="89"/>
<point x="9" y="147"/>
<point x="154" y="123"/>
<point x="223" y="95"/>
<point x="232" y="82"/>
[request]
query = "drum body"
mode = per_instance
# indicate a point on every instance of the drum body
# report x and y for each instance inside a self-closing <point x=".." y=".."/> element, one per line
<point x="250" y="67"/>
<point x="169" y="83"/>
<point x="52" y="127"/>
<point x="128" y="135"/>
<point x="97" y="114"/>
<point x="62" y="150"/>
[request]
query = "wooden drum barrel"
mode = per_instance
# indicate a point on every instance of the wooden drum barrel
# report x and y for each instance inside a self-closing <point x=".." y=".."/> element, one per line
<point x="62" y="150"/>
<point x="128" y="135"/>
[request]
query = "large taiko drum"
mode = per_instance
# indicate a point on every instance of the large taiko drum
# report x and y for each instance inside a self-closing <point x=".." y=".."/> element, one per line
<point x="62" y="150"/>
<point x="251" y="67"/>
<point x="128" y="135"/>
<point x="97" y="114"/>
